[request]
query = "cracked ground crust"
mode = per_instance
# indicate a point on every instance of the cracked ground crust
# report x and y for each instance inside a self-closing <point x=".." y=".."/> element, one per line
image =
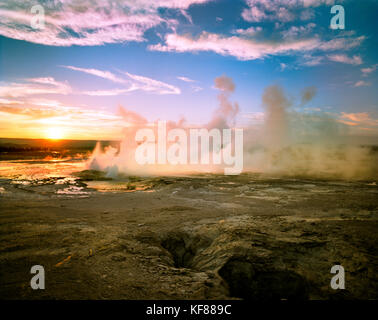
<point x="197" y="237"/>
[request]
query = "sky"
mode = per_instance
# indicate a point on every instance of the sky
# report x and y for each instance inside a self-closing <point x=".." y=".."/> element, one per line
<point x="158" y="60"/>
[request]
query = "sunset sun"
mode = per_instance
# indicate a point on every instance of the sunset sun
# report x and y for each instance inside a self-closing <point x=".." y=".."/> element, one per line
<point x="54" y="133"/>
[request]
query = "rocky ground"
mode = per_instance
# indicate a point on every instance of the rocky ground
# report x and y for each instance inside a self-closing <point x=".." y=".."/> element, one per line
<point x="194" y="237"/>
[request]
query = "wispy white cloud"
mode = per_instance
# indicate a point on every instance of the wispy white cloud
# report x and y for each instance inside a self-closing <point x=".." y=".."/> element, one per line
<point x="186" y="79"/>
<point x="243" y="49"/>
<point x="307" y="14"/>
<point x="366" y="71"/>
<point x="99" y="73"/>
<point x="251" y="31"/>
<point x="106" y="93"/>
<point x="341" y="43"/>
<point x="355" y="60"/>
<point x="57" y="31"/>
<point x="197" y="88"/>
<point x="152" y="85"/>
<point x="254" y="14"/>
<point x="317" y="3"/>
<point x="248" y="48"/>
<point x="298" y="31"/>
<point x="34" y="86"/>
<point x="283" y="66"/>
<point x="266" y="10"/>
<point x="362" y="83"/>
<point x="131" y="82"/>
<point x="87" y="22"/>
<point x="10" y="102"/>
<point x="281" y="10"/>
<point x="310" y="61"/>
<point x="176" y="4"/>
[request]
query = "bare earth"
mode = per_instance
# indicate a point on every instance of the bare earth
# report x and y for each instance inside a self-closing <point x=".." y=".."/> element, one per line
<point x="194" y="237"/>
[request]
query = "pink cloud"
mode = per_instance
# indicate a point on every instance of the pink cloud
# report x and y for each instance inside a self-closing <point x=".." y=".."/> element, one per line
<point x="362" y="116"/>
<point x="280" y="10"/>
<point x="110" y="21"/>
<point x="251" y="31"/>
<point x="254" y="14"/>
<point x="359" y="118"/>
<point x="247" y="49"/>
<point x="295" y="31"/>
<point x="362" y="83"/>
<point x="359" y="122"/>
<point x="84" y="24"/>
<point x="316" y="3"/>
<point x="104" y="93"/>
<point x="35" y="86"/>
<point x="368" y="70"/>
<point x="341" y="43"/>
<point x="355" y="60"/>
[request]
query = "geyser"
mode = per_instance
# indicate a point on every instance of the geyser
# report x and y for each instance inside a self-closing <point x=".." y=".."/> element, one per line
<point x="287" y="143"/>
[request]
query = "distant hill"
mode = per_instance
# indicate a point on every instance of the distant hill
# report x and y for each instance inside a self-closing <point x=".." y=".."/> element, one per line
<point x="12" y="149"/>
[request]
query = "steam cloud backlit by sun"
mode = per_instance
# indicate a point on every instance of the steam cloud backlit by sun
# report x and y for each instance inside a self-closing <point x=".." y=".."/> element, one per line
<point x="289" y="143"/>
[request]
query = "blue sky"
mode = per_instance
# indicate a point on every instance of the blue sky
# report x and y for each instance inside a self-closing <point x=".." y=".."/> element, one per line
<point x="159" y="59"/>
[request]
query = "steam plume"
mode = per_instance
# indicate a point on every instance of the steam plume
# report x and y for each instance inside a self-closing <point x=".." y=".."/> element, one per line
<point x="224" y="116"/>
<point x="307" y="95"/>
<point x="288" y="143"/>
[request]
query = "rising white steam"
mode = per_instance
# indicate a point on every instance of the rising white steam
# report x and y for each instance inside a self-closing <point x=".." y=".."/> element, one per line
<point x="289" y="143"/>
<point x="306" y="145"/>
